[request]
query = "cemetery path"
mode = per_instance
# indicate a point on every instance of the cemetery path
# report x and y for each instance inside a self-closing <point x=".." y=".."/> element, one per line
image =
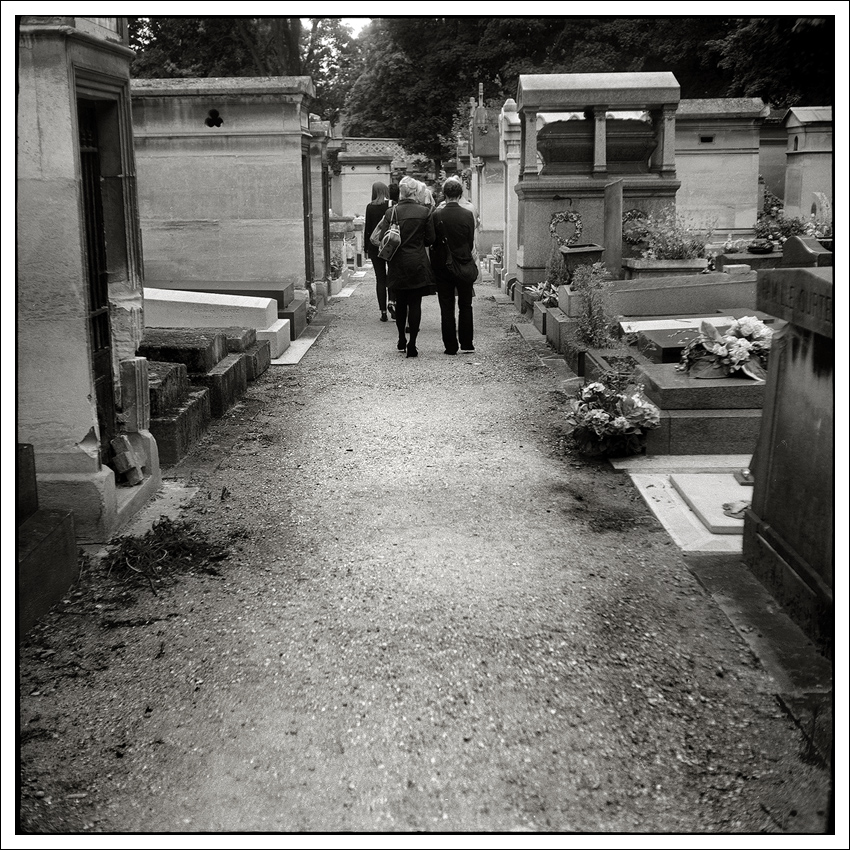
<point x="433" y="618"/>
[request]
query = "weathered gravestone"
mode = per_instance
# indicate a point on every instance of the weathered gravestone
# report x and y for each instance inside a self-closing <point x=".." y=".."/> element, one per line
<point x="804" y="251"/>
<point x="788" y="530"/>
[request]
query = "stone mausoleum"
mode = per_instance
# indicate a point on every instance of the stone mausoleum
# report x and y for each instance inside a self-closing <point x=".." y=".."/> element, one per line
<point x="233" y="189"/>
<point x="599" y="128"/>
<point x="82" y="395"/>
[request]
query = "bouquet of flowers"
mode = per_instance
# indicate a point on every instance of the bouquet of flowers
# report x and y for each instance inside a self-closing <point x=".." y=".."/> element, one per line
<point x="611" y="416"/>
<point x="741" y="349"/>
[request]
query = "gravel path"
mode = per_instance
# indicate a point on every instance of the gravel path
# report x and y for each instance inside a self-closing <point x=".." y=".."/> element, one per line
<point x="433" y="618"/>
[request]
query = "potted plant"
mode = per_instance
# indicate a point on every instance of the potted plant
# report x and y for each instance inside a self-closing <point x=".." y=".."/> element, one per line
<point x="740" y="351"/>
<point x="672" y="246"/>
<point x="610" y="416"/>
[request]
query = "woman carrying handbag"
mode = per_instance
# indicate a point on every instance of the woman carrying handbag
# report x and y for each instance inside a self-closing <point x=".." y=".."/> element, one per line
<point x="409" y="273"/>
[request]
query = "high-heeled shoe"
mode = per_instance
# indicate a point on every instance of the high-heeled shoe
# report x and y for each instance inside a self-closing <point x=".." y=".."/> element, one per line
<point x="402" y="343"/>
<point x="411" y="350"/>
<point x="384" y="317"/>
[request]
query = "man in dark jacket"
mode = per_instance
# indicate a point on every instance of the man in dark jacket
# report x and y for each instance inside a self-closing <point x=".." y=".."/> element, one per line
<point x="455" y="232"/>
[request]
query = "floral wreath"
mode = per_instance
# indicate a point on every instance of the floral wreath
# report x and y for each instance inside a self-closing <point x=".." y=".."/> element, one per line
<point x="559" y="218"/>
<point x="635" y="235"/>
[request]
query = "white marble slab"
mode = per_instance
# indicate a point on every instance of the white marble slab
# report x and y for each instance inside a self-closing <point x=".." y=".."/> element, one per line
<point x="630" y="327"/>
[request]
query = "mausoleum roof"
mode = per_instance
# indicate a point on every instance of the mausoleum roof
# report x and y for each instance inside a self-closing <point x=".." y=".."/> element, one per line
<point x="222" y="85"/>
<point x="808" y="114"/>
<point x="722" y="107"/>
<point x="638" y="90"/>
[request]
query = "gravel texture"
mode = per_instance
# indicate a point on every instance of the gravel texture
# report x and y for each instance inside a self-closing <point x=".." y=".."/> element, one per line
<point x="433" y="617"/>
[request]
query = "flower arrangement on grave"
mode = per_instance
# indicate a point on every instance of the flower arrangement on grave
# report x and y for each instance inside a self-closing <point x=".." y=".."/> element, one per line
<point x="611" y="416"/>
<point x="544" y="292"/>
<point x="671" y="237"/>
<point x="742" y="349"/>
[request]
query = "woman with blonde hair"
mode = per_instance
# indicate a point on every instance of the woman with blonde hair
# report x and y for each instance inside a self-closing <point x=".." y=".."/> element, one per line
<point x="409" y="273"/>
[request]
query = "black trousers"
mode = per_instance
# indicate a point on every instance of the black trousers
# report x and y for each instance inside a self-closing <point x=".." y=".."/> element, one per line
<point x="450" y="295"/>
<point x="408" y="311"/>
<point x="380" y="267"/>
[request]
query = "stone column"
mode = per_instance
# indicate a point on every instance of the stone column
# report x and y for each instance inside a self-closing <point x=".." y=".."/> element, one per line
<point x="528" y="152"/>
<point x="600" y="161"/>
<point x="667" y="142"/>
<point x="510" y="141"/>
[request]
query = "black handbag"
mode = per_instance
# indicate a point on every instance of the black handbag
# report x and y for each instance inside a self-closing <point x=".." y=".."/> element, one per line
<point x="392" y="238"/>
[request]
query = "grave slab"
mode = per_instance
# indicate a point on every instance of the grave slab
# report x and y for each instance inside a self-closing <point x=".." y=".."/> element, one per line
<point x="706" y="493"/>
<point x="165" y="308"/>
<point x="666" y="346"/>
<point x="277" y="336"/>
<point x="276" y="290"/>
<point x="679" y="521"/>
<point x="672" y="390"/>
<point x="198" y="350"/>
<point x="674" y="323"/>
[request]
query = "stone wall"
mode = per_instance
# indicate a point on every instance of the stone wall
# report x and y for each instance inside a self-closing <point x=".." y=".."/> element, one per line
<point x="717" y="161"/>
<point x="223" y="189"/>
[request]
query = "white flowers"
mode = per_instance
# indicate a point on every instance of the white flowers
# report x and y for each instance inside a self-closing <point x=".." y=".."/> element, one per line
<point x="743" y="348"/>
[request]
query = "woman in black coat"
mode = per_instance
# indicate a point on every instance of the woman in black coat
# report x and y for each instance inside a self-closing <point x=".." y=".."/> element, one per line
<point x="374" y="213"/>
<point x="409" y="273"/>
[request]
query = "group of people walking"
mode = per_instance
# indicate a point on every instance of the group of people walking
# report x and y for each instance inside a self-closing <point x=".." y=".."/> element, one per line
<point x="436" y="255"/>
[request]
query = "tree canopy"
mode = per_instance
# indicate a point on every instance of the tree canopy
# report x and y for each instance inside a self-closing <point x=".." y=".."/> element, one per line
<point x="408" y="78"/>
<point x="244" y="47"/>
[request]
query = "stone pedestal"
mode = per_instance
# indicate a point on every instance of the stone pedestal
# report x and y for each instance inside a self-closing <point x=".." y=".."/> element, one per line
<point x="788" y="531"/>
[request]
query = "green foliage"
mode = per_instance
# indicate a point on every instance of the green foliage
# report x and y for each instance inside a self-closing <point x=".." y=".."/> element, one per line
<point x="672" y="237"/>
<point x="247" y="47"/>
<point x="784" y="60"/>
<point x="592" y="283"/>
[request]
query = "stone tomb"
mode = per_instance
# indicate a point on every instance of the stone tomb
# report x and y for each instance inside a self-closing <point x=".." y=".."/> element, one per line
<point x="789" y="530"/>
<point x="617" y="125"/>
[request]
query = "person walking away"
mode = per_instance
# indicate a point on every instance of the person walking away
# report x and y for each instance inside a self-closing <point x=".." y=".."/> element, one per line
<point x="375" y="210"/>
<point x="455" y="233"/>
<point x="409" y="274"/>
